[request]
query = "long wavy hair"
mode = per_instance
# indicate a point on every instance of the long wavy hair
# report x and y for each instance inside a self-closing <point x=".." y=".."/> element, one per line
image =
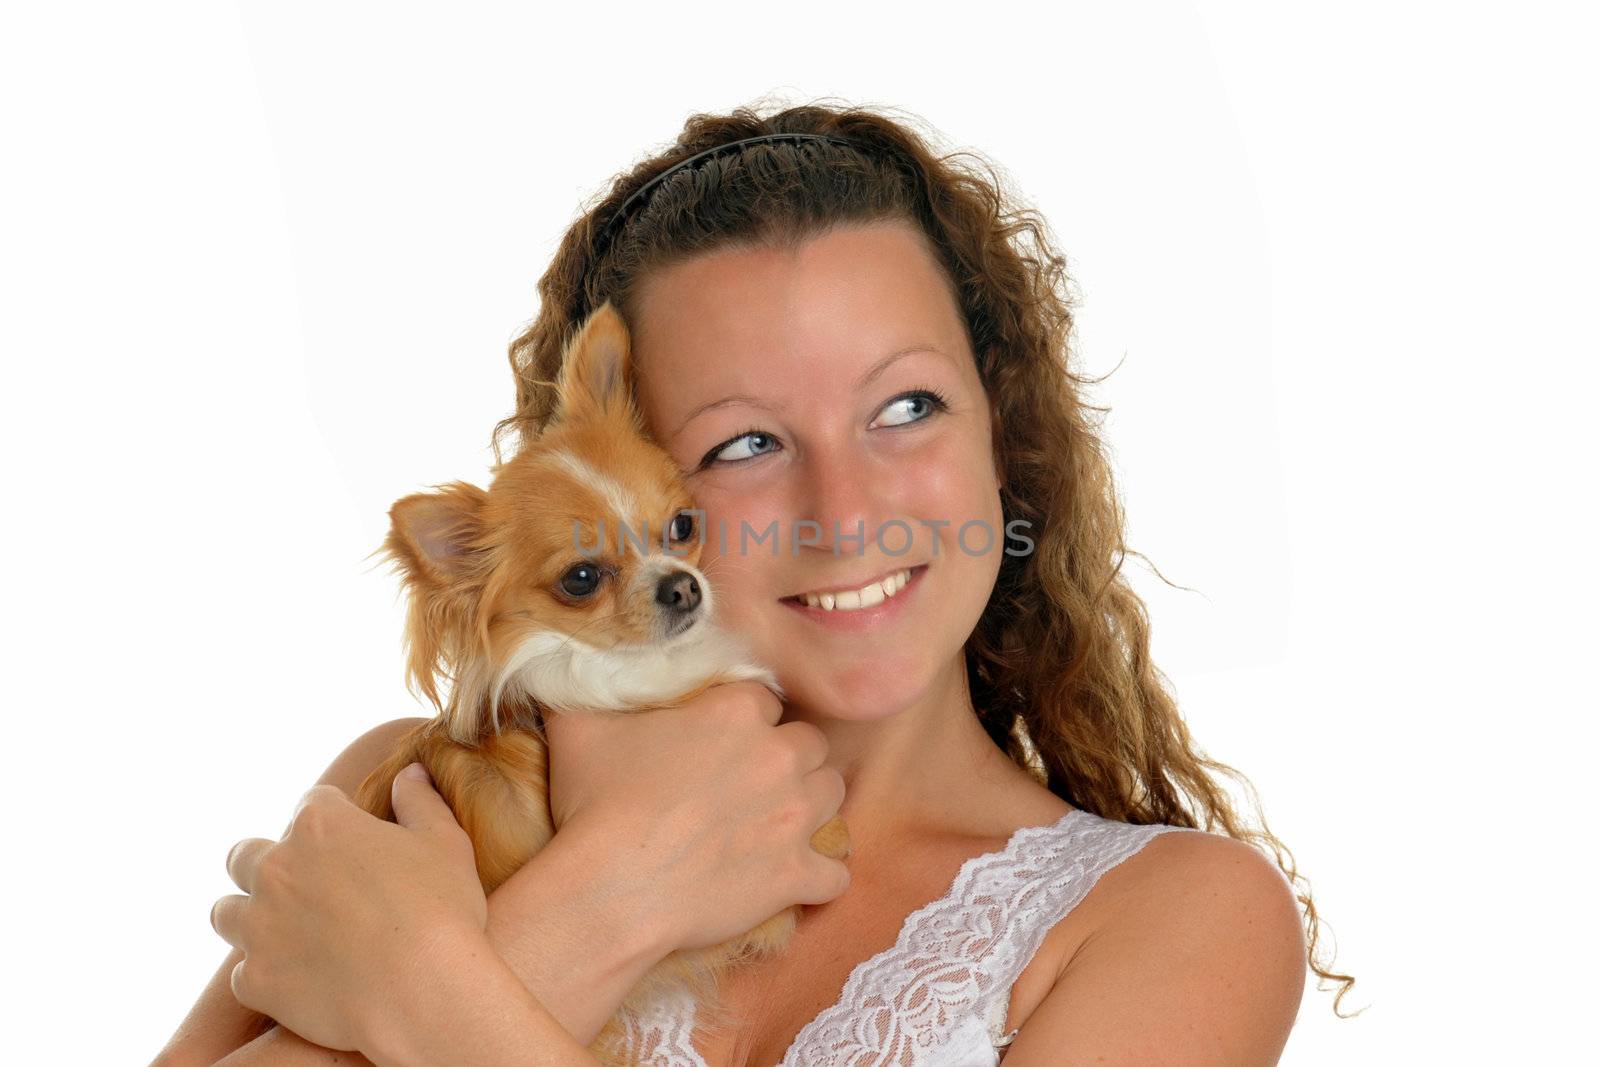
<point x="1059" y="663"/>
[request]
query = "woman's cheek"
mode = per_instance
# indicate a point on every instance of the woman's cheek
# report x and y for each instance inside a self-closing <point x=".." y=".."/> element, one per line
<point x="738" y="568"/>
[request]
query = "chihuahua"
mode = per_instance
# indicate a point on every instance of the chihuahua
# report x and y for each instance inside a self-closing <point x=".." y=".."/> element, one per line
<point x="544" y="594"/>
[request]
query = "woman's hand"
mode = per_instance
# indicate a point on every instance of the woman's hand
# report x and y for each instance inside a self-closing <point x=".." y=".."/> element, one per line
<point x="349" y="917"/>
<point x="703" y="814"/>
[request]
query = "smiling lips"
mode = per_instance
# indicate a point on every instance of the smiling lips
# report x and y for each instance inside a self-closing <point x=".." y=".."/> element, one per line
<point x="869" y="595"/>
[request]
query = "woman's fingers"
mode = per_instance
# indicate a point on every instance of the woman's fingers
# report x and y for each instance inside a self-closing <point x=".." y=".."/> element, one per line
<point x="227" y="916"/>
<point x="747" y="695"/>
<point x="715" y="792"/>
<point x="825" y="787"/>
<point x="810" y="743"/>
<point x="824" y="878"/>
<point x="341" y="919"/>
<point x="242" y="860"/>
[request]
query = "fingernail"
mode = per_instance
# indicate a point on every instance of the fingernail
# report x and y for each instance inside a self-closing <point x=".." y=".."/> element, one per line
<point x="415" y="770"/>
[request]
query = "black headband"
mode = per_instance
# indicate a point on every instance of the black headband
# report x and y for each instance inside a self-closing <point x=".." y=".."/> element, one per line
<point x="634" y="202"/>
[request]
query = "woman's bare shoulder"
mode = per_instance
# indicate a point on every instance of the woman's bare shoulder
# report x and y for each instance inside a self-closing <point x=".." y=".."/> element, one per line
<point x="359" y="758"/>
<point x="1188" y="868"/>
<point x="1192" y="880"/>
<point x="1197" y="952"/>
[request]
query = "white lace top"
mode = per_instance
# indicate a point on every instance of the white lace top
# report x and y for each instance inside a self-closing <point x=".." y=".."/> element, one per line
<point x="939" y="996"/>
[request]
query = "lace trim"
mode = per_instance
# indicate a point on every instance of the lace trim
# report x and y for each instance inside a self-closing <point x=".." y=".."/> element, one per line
<point x="954" y="962"/>
<point x="663" y="1035"/>
<point x="965" y="950"/>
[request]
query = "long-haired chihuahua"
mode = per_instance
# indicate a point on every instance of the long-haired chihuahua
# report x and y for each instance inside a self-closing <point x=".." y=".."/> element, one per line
<point x="569" y="585"/>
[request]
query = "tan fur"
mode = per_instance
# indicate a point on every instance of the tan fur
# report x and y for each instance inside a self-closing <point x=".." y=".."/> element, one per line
<point x="469" y="559"/>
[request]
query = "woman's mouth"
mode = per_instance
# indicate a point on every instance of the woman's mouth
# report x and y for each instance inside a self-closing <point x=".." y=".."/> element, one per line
<point x="860" y="605"/>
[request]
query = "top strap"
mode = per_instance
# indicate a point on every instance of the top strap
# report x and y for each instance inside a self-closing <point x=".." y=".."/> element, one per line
<point x="959" y="956"/>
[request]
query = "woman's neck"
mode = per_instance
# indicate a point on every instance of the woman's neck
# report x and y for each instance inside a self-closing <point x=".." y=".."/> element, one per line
<point x="930" y="769"/>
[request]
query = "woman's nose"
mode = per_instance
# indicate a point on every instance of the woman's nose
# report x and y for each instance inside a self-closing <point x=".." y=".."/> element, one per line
<point x="847" y="499"/>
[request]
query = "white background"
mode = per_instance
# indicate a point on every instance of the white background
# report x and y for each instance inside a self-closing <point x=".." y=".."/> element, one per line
<point x="262" y="262"/>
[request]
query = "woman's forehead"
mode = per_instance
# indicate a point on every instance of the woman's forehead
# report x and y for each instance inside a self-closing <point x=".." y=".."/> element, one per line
<point x="836" y="305"/>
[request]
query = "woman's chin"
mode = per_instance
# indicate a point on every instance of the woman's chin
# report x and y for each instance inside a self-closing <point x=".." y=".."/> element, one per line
<point x="852" y="696"/>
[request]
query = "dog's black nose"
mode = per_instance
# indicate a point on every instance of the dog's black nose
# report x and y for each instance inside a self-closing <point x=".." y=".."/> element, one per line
<point x="678" y="592"/>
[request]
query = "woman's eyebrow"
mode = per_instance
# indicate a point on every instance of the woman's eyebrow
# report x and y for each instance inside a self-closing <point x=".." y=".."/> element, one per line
<point x="735" y="398"/>
<point x="884" y="363"/>
<point x="756" y="402"/>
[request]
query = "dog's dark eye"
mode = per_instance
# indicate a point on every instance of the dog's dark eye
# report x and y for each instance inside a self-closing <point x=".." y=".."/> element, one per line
<point x="682" y="526"/>
<point x="581" y="580"/>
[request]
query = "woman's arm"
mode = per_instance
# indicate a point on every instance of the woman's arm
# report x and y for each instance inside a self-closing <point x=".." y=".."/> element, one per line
<point x="478" y="1014"/>
<point x="1201" y="963"/>
<point x="215" y="1026"/>
<point x="546" y="938"/>
<point x="557" y="927"/>
<point x="218" y="1023"/>
<point x="654" y="808"/>
<point x="567" y="984"/>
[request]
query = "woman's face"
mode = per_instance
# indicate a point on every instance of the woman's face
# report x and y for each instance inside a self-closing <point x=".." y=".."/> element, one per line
<point x="798" y="386"/>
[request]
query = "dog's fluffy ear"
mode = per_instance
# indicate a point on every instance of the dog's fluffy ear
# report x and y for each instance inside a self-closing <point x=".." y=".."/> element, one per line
<point x="436" y="541"/>
<point x="596" y="370"/>
<point x="437" y="537"/>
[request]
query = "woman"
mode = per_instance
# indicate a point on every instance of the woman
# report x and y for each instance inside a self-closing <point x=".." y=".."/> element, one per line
<point x="832" y="324"/>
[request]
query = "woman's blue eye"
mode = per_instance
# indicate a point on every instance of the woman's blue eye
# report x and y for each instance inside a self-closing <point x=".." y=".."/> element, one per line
<point x="917" y="404"/>
<point x="747" y="444"/>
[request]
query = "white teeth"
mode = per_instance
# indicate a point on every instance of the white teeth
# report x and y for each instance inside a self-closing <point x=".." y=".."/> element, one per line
<point x="867" y="596"/>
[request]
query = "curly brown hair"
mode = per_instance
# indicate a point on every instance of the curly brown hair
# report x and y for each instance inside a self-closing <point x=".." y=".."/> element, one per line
<point x="1059" y="662"/>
